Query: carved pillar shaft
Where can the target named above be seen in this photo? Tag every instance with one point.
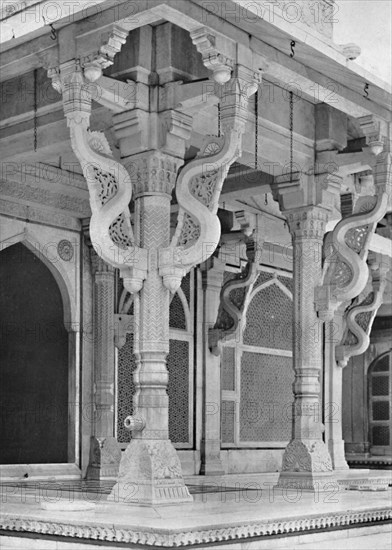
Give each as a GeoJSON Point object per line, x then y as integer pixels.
{"type": "Point", "coordinates": [306, 456]}
{"type": "Point", "coordinates": [333, 393]}
{"type": "Point", "coordinates": [211, 463]}
{"type": "Point", "coordinates": [307, 229]}
{"type": "Point", "coordinates": [152, 327]}
{"type": "Point", "coordinates": [105, 452]}
{"type": "Point", "coordinates": [150, 463]}
{"type": "Point", "coordinates": [103, 349]}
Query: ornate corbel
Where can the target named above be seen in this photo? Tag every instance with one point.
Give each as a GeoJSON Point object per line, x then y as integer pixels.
{"type": "Point", "coordinates": [199, 186]}
{"type": "Point", "coordinates": [360, 316]}
{"type": "Point", "coordinates": [345, 271]}
{"type": "Point", "coordinates": [372, 130]}
{"type": "Point", "coordinates": [123, 325]}
{"type": "Point", "coordinates": [110, 186]}
{"type": "Point", "coordinates": [231, 312]}
{"type": "Point", "coordinates": [110, 44]}
{"type": "Point", "coordinates": [214, 59]}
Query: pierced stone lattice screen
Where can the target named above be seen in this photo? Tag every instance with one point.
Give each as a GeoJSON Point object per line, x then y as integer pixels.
{"type": "Point", "coordinates": [228, 368]}
{"type": "Point", "coordinates": [287, 282]}
{"type": "Point", "coordinates": [177, 314]}
{"type": "Point", "coordinates": [227, 421]}
{"type": "Point", "coordinates": [262, 278]}
{"type": "Point", "coordinates": [178, 390]}
{"type": "Point", "coordinates": [125, 388]}
{"type": "Point", "coordinates": [186, 286]}
{"type": "Point", "coordinates": [178, 367]}
{"type": "Point", "coordinates": [269, 320]}
{"type": "Point", "coordinates": [381, 436]}
{"type": "Point", "coordinates": [266, 397]}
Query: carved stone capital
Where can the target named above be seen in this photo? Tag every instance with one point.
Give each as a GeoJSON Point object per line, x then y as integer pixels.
{"type": "Point", "coordinates": [68, 79]}
{"type": "Point", "coordinates": [153, 172]}
{"type": "Point", "coordinates": [307, 223]}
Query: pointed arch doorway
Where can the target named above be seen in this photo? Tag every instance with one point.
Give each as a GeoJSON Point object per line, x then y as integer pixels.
{"type": "Point", "coordinates": [34, 390]}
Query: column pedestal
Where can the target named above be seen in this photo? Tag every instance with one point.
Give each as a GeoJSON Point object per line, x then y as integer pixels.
{"type": "Point", "coordinates": [150, 474]}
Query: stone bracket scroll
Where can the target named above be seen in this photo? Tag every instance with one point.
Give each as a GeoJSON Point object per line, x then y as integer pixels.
{"type": "Point", "coordinates": [110, 186]}
{"type": "Point", "coordinates": [345, 272]}
{"type": "Point", "coordinates": [359, 319]}
{"type": "Point", "coordinates": [230, 314]}
{"type": "Point", "coordinates": [199, 185]}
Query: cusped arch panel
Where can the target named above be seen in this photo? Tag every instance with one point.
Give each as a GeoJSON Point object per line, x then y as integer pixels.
{"type": "Point", "coordinates": [269, 318]}
{"type": "Point", "coordinates": [59, 273]}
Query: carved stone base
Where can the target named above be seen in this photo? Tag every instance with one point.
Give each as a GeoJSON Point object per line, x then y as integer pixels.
{"type": "Point", "coordinates": [308, 482]}
{"type": "Point", "coordinates": [211, 463]}
{"type": "Point", "coordinates": [150, 474]}
{"type": "Point", "coordinates": [336, 450]}
{"type": "Point", "coordinates": [307, 466]}
{"type": "Point", "coordinates": [105, 456]}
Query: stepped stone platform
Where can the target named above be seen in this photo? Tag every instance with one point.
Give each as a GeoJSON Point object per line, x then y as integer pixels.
{"type": "Point", "coordinates": [243, 511]}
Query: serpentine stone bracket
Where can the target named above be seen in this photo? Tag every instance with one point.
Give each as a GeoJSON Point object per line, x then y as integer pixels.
{"type": "Point", "coordinates": [109, 184]}
{"type": "Point", "coordinates": [231, 309]}
{"type": "Point", "coordinates": [200, 182]}
{"type": "Point", "coordinates": [360, 316]}
{"type": "Point", "coordinates": [198, 185]}
{"type": "Point", "coordinates": [346, 248]}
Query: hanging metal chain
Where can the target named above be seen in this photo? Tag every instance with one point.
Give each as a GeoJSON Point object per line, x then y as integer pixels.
{"type": "Point", "coordinates": [291, 136]}
{"type": "Point", "coordinates": [35, 111]}
{"type": "Point", "coordinates": [257, 130]}
{"type": "Point", "coordinates": [219, 120]}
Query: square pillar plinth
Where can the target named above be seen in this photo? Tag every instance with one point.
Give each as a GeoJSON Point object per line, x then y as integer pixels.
{"type": "Point", "coordinates": [307, 467]}
{"type": "Point", "coordinates": [105, 456]}
{"type": "Point", "coordinates": [150, 475]}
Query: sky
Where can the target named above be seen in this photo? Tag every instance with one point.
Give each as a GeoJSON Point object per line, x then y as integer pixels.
{"type": "Point", "coordinates": [367, 23]}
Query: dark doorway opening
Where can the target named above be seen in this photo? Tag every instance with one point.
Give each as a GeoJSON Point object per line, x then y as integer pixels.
{"type": "Point", "coordinates": [33, 362]}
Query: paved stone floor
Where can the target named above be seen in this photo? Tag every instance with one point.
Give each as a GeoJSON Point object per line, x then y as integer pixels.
{"type": "Point", "coordinates": [235, 512]}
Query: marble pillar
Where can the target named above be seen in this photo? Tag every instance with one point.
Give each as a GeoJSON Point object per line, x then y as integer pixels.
{"type": "Point", "coordinates": [212, 280]}
{"type": "Point", "coordinates": [105, 453]}
{"type": "Point", "coordinates": [306, 462]}
{"type": "Point", "coordinates": [333, 382]}
{"type": "Point", "coordinates": [150, 470]}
